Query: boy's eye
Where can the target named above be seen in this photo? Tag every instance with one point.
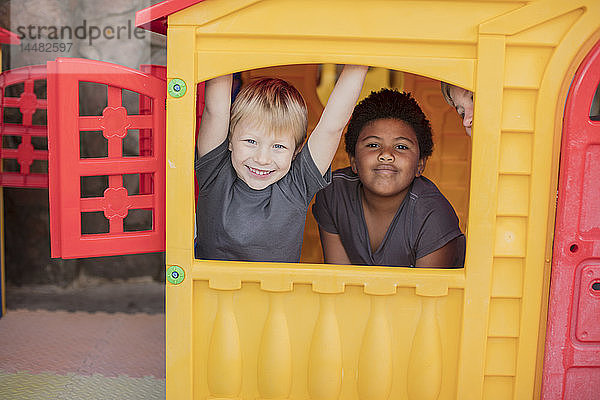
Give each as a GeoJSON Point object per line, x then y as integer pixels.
{"type": "Point", "coordinates": [279, 146]}
{"type": "Point", "coordinates": [250, 141]}
{"type": "Point", "coordinates": [401, 146]}
{"type": "Point", "coordinates": [372, 145]}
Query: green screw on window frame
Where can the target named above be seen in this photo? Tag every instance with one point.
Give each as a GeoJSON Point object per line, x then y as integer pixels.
{"type": "Point", "coordinates": [176, 87]}
{"type": "Point", "coordinates": [175, 274]}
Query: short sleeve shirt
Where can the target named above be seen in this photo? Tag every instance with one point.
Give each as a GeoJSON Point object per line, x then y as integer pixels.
{"type": "Point", "coordinates": [424, 222]}
{"type": "Point", "coordinates": [237, 223]}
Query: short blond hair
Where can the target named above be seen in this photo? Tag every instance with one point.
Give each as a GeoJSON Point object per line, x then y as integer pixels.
{"type": "Point", "coordinates": [273, 104]}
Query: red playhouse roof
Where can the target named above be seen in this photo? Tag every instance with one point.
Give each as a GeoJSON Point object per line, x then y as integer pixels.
{"type": "Point", "coordinates": [154, 18]}
{"type": "Point", "coordinates": [8, 37]}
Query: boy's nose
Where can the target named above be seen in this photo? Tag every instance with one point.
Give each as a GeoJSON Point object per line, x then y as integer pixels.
{"type": "Point", "coordinates": [262, 156]}
{"type": "Point", "coordinates": [468, 121]}
{"type": "Point", "coordinates": [468, 118]}
{"type": "Point", "coordinates": [386, 156]}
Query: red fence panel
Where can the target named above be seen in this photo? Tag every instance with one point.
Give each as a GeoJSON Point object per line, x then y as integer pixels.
{"type": "Point", "coordinates": [105, 220]}
{"type": "Point", "coordinates": [145, 137]}
{"type": "Point", "coordinates": [572, 353]}
{"type": "Point", "coordinates": [23, 128]}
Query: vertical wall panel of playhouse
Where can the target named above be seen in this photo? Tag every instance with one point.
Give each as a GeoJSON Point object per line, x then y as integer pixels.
{"type": "Point", "coordinates": [490, 55]}
{"type": "Point", "coordinates": [180, 206]}
{"type": "Point", "coordinates": [524, 261]}
{"type": "Point", "coordinates": [512, 218]}
{"type": "Point", "coordinates": [510, 242]}
{"type": "Point", "coordinates": [523, 198]}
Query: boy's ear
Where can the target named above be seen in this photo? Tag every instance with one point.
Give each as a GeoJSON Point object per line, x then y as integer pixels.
{"type": "Point", "coordinates": [229, 145]}
{"type": "Point", "coordinates": [353, 164]}
{"type": "Point", "coordinates": [421, 166]}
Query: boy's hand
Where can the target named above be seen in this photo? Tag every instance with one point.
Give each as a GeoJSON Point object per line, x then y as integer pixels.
{"type": "Point", "coordinates": [324, 140]}
{"type": "Point", "coordinates": [214, 126]}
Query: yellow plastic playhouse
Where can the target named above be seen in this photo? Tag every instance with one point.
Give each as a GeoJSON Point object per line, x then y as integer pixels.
{"type": "Point", "coordinates": [278, 331]}
{"type": "Point", "coordinates": [297, 331]}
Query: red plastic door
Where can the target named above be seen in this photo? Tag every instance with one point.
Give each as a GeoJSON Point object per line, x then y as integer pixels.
{"type": "Point", "coordinates": [128, 187]}
{"type": "Point", "coordinates": [23, 130]}
{"type": "Point", "coordinates": [572, 353]}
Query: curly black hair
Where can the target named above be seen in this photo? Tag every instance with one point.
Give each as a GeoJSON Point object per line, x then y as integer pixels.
{"type": "Point", "coordinates": [390, 104]}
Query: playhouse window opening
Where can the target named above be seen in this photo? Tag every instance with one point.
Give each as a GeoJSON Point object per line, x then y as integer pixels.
{"type": "Point", "coordinates": [40, 88]}
{"type": "Point", "coordinates": [11, 165]}
{"type": "Point", "coordinates": [93, 186]}
{"type": "Point", "coordinates": [39, 142]}
{"type": "Point", "coordinates": [449, 165]}
{"type": "Point", "coordinates": [40, 117]}
{"type": "Point", "coordinates": [93, 98]}
{"type": "Point", "coordinates": [145, 143]}
{"type": "Point", "coordinates": [12, 115]}
{"type": "Point", "coordinates": [94, 222]}
{"type": "Point", "coordinates": [133, 184]}
{"type": "Point", "coordinates": [145, 183]}
{"type": "Point", "coordinates": [595, 108]}
{"type": "Point", "coordinates": [138, 220]}
{"type": "Point", "coordinates": [92, 144]}
{"type": "Point", "coordinates": [130, 143]}
{"type": "Point", "coordinates": [36, 166]}
{"type": "Point", "coordinates": [15, 90]}
{"type": "Point", "coordinates": [145, 105]}
{"type": "Point", "coordinates": [39, 167]}
{"type": "Point", "coordinates": [11, 141]}
{"type": "Point", "coordinates": [131, 101]}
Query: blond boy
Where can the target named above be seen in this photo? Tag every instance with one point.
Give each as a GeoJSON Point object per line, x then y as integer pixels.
{"type": "Point", "coordinates": [255, 178]}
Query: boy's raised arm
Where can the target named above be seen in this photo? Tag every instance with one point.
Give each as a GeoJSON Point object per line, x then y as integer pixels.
{"type": "Point", "coordinates": [324, 140]}
{"type": "Point", "coordinates": [214, 126]}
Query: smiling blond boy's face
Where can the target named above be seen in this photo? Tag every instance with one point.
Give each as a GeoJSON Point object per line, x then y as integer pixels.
{"type": "Point", "coordinates": [260, 158]}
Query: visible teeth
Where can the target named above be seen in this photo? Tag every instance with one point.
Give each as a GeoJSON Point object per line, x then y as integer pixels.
{"type": "Point", "coordinates": [259, 171]}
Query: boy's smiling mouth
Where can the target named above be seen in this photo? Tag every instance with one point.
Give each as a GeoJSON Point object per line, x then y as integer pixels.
{"type": "Point", "coordinates": [259, 172]}
{"type": "Point", "coordinates": [386, 168]}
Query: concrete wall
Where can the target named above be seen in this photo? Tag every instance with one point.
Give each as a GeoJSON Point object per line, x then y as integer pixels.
{"type": "Point", "coordinates": [86, 29]}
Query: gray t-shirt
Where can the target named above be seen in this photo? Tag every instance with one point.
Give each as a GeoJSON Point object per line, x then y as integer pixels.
{"type": "Point", "coordinates": [237, 223]}
{"type": "Point", "coordinates": [424, 222]}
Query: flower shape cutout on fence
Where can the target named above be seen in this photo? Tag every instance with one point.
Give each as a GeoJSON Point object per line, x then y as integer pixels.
{"type": "Point", "coordinates": [28, 103]}
{"type": "Point", "coordinates": [114, 122]}
{"type": "Point", "coordinates": [116, 203]}
{"type": "Point", "coordinates": [25, 155]}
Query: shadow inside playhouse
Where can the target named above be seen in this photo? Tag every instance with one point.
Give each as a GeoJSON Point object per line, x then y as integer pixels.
{"type": "Point", "coordinates": [448, 167]}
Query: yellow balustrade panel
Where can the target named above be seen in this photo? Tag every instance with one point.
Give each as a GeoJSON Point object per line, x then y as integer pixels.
{"type": "Point", "coordinates": [325, 332]}
{"type": "Point", "coordinates": [298, 331]}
